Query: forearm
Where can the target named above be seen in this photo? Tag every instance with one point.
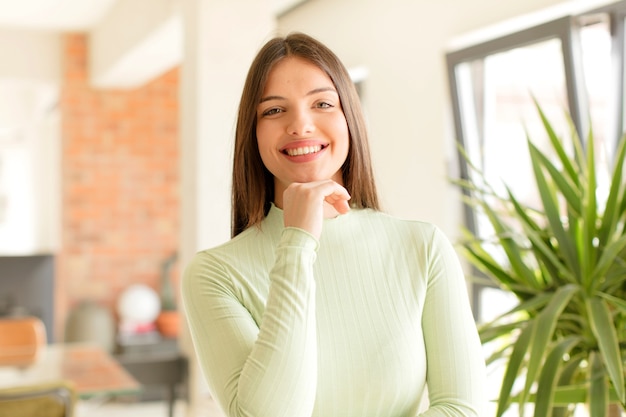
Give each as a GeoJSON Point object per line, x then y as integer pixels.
{"type": "Point", "coordinates": [456, 367]}
{"type": "Point", "coordinates": [258, 367]}
{"type": "Point", "coordinates": [280, 375]}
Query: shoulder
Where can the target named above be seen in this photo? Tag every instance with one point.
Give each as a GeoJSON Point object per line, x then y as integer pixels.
{"type": "Point", "coordinates": [412, 235]}
{"type": "Point", "coordinates": [222, 270]}
{"type": "Point", "coordinates": [366, 229]}
{"type": "Point", "coordinates": [247, 245]}
{"type": "Point", "coordinates": [421, 239]}
{"type": "Point", "coordinates": [397, 226]}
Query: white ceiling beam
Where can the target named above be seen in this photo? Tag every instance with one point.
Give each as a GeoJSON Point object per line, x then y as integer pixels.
{"type": "Point", "coordinates": [134, 43]}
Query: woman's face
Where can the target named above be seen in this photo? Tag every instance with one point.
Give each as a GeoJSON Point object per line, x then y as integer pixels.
{"type": "Point", "coordinates": [301, 129]}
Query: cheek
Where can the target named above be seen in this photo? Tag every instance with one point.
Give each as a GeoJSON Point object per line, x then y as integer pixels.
{"type": "Point", "coordinates": [264, 143]}
{"type": "Point", "coordinates": [341, 134]}
{"type": "Point", "coordinates": [261, 136]}
{"type": "Point", "coordinates": [260, 133]}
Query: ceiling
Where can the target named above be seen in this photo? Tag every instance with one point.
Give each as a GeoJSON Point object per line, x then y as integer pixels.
{"type": "Point", "coordinates": [63, 15]}
{"type": "Point", "coordinates": [25, 103]}
{"type": "Point", "coordinates": [73, 15]}
{"type": "Point", "coordinates": [30, 100]}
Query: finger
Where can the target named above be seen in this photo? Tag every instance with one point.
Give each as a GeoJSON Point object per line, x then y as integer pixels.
{"type": "Point", "coordinates": [339, 200]}
{"type": "Point", "coordinates": [341, 206]}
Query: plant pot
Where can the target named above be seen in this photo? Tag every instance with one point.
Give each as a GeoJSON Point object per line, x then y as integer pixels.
{"type": "Point", "coordinates": [168, 323]}
{"type": "Point", "coordinates": [614, 411]}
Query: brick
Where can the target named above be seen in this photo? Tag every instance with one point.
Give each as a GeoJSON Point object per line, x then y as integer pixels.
{"type": "Point", "coordinates": [120, 184]}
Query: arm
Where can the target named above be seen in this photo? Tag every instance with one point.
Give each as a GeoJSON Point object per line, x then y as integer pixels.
{"type": "Point", "coordinates": [264, 370]}
{"type": "Point", "coordinates": [456, 367]}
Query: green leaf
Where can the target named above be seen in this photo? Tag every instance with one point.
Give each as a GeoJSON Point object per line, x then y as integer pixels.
{"type": "Point", "coordinates": [549, 375]}
{"type": "Point", "coordinates": [528, 306]}
{"type": "Point", "coordinates": [551, 207]}
{"type": "Point", "coordinates": [538, 238]}
{"type": "Point", "coordinates": [565, 260]}
{"type": "Point", "coordinates": [485, 262]}
{"type": "Point", "coordinates": [565, 186]}
{"type": "Point", "coordinates": [607, 260]}
{"type": "Point", "coordinates": [617, 302]}
{"type": "Point", "coordinates": [611, 211]}
{"type": "Point", "coordinates": [520, 347]}
{"type": "Point", "coordinates": [543, 330]}
{"type": "Point", "coordinates": [557, 144]}
{"type": "Point", "coordinates": [622, 209]}
{"type": "Point", "coordinates": [511, 248]}
{"type": "Point", "coordinates": [522, 211]}
{"type": "Point", "coordinates": [577, 394]}
{"type": "Point", "coordinates": [604, 330]}
{"type": "Point", "coordinates": [598, 390]}
{"type": "Point", "coordinates": [572, 394]}
{"type": "Point", "coordinates": [550, 256]}
{"type": "Point", "coordinates": [502, 353]}
{"type": "Point", "coordinates": [570, 370]}
{"type": "Point", "coordinates": [489, 333]}
{"type": "Point", "coordinates": [587, 251]}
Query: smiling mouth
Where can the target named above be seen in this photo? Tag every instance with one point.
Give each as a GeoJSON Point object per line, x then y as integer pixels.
{"type": "Point", "coordinates": [305, 150]}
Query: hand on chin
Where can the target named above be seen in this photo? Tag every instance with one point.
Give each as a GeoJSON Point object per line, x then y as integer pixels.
{"type": "Point", "coordinates": [306, 205]}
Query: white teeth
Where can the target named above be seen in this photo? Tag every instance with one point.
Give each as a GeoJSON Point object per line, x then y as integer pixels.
{"type": "Point", "coordinates": [304, 150]}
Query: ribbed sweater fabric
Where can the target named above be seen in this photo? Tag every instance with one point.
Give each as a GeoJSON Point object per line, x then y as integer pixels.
{"type": "Point", "coordinates": [353, 325]}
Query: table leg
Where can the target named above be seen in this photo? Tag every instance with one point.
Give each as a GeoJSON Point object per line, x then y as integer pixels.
{"type": "Point", "coordinates": [171, 400]}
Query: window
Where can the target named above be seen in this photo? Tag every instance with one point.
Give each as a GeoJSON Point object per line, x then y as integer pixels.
{"type": "Point", "coordinates": [574, 63]}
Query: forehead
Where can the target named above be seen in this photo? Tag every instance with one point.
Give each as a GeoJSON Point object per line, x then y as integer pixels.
{"type": "Point", "coordinates": [292, 72]}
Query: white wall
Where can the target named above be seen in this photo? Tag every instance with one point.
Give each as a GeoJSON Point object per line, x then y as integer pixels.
{"type": "Point", "coordinates": [403, 43]}
{"type": "Point", "coordinates": [30, 55]}
{"type": "Point", "coordinates": [30, 68]}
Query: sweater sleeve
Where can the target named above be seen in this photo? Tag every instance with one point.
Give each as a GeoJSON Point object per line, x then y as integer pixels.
{"type": "Point", "coordinates": [265, 369]}
{"type": "Point", "coordinates": [456, 367]}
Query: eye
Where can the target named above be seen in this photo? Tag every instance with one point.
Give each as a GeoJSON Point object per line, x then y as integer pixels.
{"type": "Point", "coordinates": [323, 105]}
{"type": "Point", "coordinates": [272, 111]}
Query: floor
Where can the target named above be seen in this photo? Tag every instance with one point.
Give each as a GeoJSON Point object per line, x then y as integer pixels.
{"type": "Point", "coordinates": [207, 409]}
{"type": "Point", "coordinates": [145, 409]}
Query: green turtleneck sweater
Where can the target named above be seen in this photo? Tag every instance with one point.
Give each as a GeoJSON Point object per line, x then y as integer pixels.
{"type": "Point", "coordinates": [353, 325]}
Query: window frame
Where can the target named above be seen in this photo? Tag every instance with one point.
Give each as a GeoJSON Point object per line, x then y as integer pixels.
{"type": "Point", "coordinates": [566, 29]}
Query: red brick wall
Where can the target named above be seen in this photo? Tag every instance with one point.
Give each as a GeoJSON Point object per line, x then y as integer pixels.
{"type": "Point", "coordinates": [120, 184]}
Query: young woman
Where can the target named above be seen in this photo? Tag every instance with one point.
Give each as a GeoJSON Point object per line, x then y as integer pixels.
{"type": "Point", "coordinates": [320, 304]}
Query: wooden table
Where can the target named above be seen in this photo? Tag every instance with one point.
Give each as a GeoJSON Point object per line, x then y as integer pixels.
{"type": "Point", "coordinates": [92, 370]}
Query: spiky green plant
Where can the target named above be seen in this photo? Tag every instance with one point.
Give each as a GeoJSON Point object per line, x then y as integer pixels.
{"type": "Point", "coordinates": [564, 342]}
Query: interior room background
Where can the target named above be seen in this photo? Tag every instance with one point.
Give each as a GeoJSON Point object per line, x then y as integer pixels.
{"type": "Point", "coordinates": [127, 125]}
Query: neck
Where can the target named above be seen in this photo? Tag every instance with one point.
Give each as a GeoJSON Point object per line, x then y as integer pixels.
{"type": "Point", "coordinates": [329, 211]}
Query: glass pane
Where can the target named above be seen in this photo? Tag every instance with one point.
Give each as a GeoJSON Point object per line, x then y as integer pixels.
{"type": "Point", "coordinates": [596, 53]}
{"type": "Point", "coordinates": [498, 114]}
{"type": "Point", "coordinates": [498, 111]}
{"type": "Point", "coordinates": [510, 82]}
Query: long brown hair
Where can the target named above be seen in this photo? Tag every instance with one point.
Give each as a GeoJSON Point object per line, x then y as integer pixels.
{"type": "Point", "coordinates": [253, 184]}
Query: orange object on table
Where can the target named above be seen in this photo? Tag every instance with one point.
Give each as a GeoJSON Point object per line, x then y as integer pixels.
{"type": "Point", "coordinates": [21, 340]}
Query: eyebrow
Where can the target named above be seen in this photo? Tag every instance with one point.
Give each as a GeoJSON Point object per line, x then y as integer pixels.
{"type": "Point", "coordinates": [310, 93]}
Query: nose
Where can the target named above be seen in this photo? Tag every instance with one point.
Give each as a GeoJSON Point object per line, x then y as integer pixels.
{"type": "Point", "coordinates": [300, 123]}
